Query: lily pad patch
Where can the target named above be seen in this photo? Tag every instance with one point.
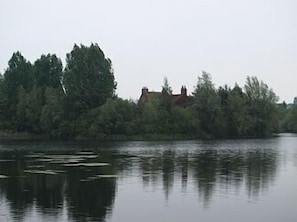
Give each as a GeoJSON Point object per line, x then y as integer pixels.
{"type": "Point", "coordinates": [36, 166]}
{"type": "Point", "coordinates": [86, 164]}
{"type": "Point", "coordinates": [92, 178]}
{"type": "Point", "coordinates": [47, 172]}
{"type": "Point", "coordinates": [85, 153]}
{"type": "Point", "coordinates": [108, 176]}
{"type": "Point", "coordinates": [3, 177]}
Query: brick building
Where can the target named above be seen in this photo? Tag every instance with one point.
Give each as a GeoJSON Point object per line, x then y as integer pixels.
{"type": "Point", "coordinates": [181, 99]}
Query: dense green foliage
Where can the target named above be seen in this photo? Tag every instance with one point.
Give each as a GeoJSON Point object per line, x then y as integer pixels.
{"type": "Point", "coordinates": [88, 79]}
{"type": "Point", "coordinates": [80, 102]}
{"type": "Point", "coordinates": [289, 121]}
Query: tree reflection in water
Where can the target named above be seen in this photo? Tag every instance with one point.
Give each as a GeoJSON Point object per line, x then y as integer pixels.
{"type": "Point", "coordinates": [211, 169]}
{"type": "Point", "coordinates": [84, 200]}
{"type": "Point", "coordinates": [206, 168]}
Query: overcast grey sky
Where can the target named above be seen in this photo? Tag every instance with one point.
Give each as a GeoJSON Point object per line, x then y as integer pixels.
{"type": "Point", "coordinates": [149, 39]}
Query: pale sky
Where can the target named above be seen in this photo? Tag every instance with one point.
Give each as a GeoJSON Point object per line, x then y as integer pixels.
{"type": "Point", "coordinates": [150, 39]}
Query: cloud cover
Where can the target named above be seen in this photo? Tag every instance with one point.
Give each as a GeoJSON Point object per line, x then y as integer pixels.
{"type": "Point", "coordinates": [147, 40]}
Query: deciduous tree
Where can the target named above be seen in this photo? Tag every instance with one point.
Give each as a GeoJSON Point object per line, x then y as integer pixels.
{"type": "Point", "coordinates": [207, 107]}
{"type": "Point", "coordinates": [88, 79]}
{"type": "Point", "coordinates": [262, 110]}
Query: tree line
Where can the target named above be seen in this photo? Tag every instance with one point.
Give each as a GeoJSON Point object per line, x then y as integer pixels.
{"type": "Point", "coordinates": [80, 101]}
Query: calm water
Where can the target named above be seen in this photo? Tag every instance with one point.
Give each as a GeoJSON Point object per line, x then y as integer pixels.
{"type": "Point", "coordinates": [222, 180]}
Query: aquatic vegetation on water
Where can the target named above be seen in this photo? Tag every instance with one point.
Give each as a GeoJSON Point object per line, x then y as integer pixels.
{"type": "Point", "coordinates": [86, 164]}
{"type": "Point", "coordinates": [96, 177]}
{"type": "Point", "coordinates": [69, 156]}
{"type": "Point", "coordinates": [85, 153]}
{"type": "Point", "coordinates": [49, 172]}
{"type": "Point", "coordinates": [107, 176]}
{"type": "Point", "coordinates": [35, 166]}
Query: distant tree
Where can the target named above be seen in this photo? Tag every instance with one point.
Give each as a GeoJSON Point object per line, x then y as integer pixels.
{"type": "Point", "coordinates": [116, 116]}
{"type": "Point", "coordinates": [166, 87]}
{"type": "Point", "coordinates": [237, 116]}
{"type": "Point", "coordinates": [17, 76]}
{"type": "Point", "coordinates": [88, 79]}
{"type": "Point", "coordinates": [52, 112]}
{"type": "Point", "coordinates": [292, 123]}
{"type": "Point", "coordinates": [166, 99]}
{"type": "Point", "coordinates": [224, 94]}
{"type": "Point", "coordinates": [283, 116]}
{"type": "Point", "coordinates": [3, 105]}
{"type": "Point", "coordinates": [259, 91]}
{"type": "Point", "coordinates": [183, 121]}
{"type": "Point", "coordinates": [262, 110]}
{"type": "Point", "coordinates": [47, 81]}
{"type": "Point", "coordinates": [150, 117]}
{"type": "Point", "coordinates": [207, 107]}
{"type": "Point", "coordinates": [28, 110]}
{"type": "Point", "coordinates": [18, 73]}
{"type": "Point", "coordinates": [48, 71]}
{"type": "Point", "coordinates": [288, 118]}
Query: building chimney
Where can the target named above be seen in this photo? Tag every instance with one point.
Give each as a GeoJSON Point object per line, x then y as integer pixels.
{"type": "Point", "coordinates": [144, 91]}
{"type": "Point", "coordinates": [183, 91]}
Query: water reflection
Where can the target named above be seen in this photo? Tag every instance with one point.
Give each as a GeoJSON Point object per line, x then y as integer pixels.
{"type": "Point", "coordinates": [84, 200]}
{"type": "Point", "coordinates": [89, 200]}
{"type": "Point", "coordinates": [211, 169]}
{"type": "Point", "coordinates": [208, 167]}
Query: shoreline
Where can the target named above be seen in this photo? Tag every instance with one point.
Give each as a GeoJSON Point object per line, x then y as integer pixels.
{"type": "Point", "coordinates": [119, 137]}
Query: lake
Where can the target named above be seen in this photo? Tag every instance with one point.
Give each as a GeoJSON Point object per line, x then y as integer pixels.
{"type": "Point", "coordinates": [168, 181]}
